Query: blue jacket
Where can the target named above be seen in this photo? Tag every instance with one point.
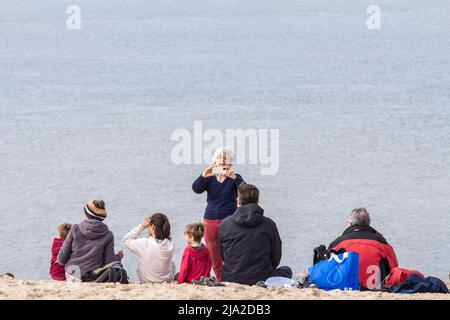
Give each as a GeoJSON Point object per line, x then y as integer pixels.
{"type": "Point", "coordinates": [416, 284]}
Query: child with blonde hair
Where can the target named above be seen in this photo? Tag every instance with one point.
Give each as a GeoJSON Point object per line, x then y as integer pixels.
{"type": "Point", "coordinates": [57, 271]}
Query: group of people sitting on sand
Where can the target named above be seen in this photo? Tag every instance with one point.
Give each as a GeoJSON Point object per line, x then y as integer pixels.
{"type": "Point", "coordinates": [241, 244]}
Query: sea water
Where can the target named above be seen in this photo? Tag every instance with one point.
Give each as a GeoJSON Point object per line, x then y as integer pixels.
{"type": "Point", "coordinates": [363, 118]}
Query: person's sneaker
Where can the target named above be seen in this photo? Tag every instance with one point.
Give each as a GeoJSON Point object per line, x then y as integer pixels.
{"type": "Point", "coordinates": [200, 282]}
{"type": "Point", "coordinates": [209, 282]}
{"type": "Point", "coordinates": [213, 282]}
{"type": "Point", "coordinates": [302, 280]}
{"type": "Point", "coordinates": [261, 284]}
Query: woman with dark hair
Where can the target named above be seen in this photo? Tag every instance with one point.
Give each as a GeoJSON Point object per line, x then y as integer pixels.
{"type": "Point", "coordinates": [154, 254]}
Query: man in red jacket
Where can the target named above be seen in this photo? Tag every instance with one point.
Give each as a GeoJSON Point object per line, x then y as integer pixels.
{"type": "Point", "coordinates": [376, 257]}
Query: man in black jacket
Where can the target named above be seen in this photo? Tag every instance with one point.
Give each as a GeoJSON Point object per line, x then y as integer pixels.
{"type": "Point", "coordinates": [250, 243]}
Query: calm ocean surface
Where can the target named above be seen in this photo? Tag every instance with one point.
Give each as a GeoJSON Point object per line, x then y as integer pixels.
{"type": "Point", "coordinates": [364, 118]}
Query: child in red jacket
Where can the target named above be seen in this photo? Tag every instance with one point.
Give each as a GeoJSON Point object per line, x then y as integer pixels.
{"type": "Point", "coordinates": [196, 260]}
{"type": "Point", "coordinates": [57, 271]}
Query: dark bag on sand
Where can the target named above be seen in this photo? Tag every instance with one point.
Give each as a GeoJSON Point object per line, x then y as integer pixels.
{"type": "Point", "coordinates": [322, 253]}
{"type": "Point", "coordinates": [416, 284]}
{"type": "Point", "coordinates": [113, 272]}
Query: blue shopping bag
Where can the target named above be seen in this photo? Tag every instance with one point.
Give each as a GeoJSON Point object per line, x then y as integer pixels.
{"type": "Point", "coordinates": [339, 272]}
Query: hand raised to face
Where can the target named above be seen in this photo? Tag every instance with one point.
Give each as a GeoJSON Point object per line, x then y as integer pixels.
{"type": "Point", "coordinates": [230, 173]}
{"type": "Point", "coordinates": [208, 172]}
{"type": "Point", "coordinates": [145, 223]}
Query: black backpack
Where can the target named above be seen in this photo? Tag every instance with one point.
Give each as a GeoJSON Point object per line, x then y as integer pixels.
{"type": "Point", "coordinates": [113, 272]}
{"type": "Point", "coordinates": [322, 253]}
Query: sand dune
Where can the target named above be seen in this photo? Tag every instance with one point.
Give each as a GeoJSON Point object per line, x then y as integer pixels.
{"type": "Point", "coordinates": [44, 289]}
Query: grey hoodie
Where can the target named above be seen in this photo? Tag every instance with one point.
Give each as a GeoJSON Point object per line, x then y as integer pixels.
{"type": "Point", "coordinates": [89, 245]}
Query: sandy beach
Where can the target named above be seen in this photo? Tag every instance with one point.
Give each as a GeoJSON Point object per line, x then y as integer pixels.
{"type": "Point", "coordinates": [15, 289]}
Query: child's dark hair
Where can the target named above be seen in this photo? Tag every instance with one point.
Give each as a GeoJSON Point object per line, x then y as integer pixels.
{"type": "Point", "coordinates": [195, 231]}
{"type": "Point", "coordinates": [162, 226]}
{"type": "Point", "coordinates": [64, 229]}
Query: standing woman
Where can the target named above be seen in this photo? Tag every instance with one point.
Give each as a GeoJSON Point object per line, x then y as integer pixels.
{"type": "Point", "coordinates": [221, 183]}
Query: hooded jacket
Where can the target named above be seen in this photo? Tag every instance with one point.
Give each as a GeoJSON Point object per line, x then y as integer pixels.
{"type": "Point", "coordinates": [88, 246]}
{"type": "Point", "coordinates": [154, 257]}
{"type": "Point", "coordinates": [250, 245]}
{"type": "Point", "coordinates": [57, 271]}
{"type": "Point", "coordinates": [195, 263]}
{"type": "Point", "coordinates": [376, 257]}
